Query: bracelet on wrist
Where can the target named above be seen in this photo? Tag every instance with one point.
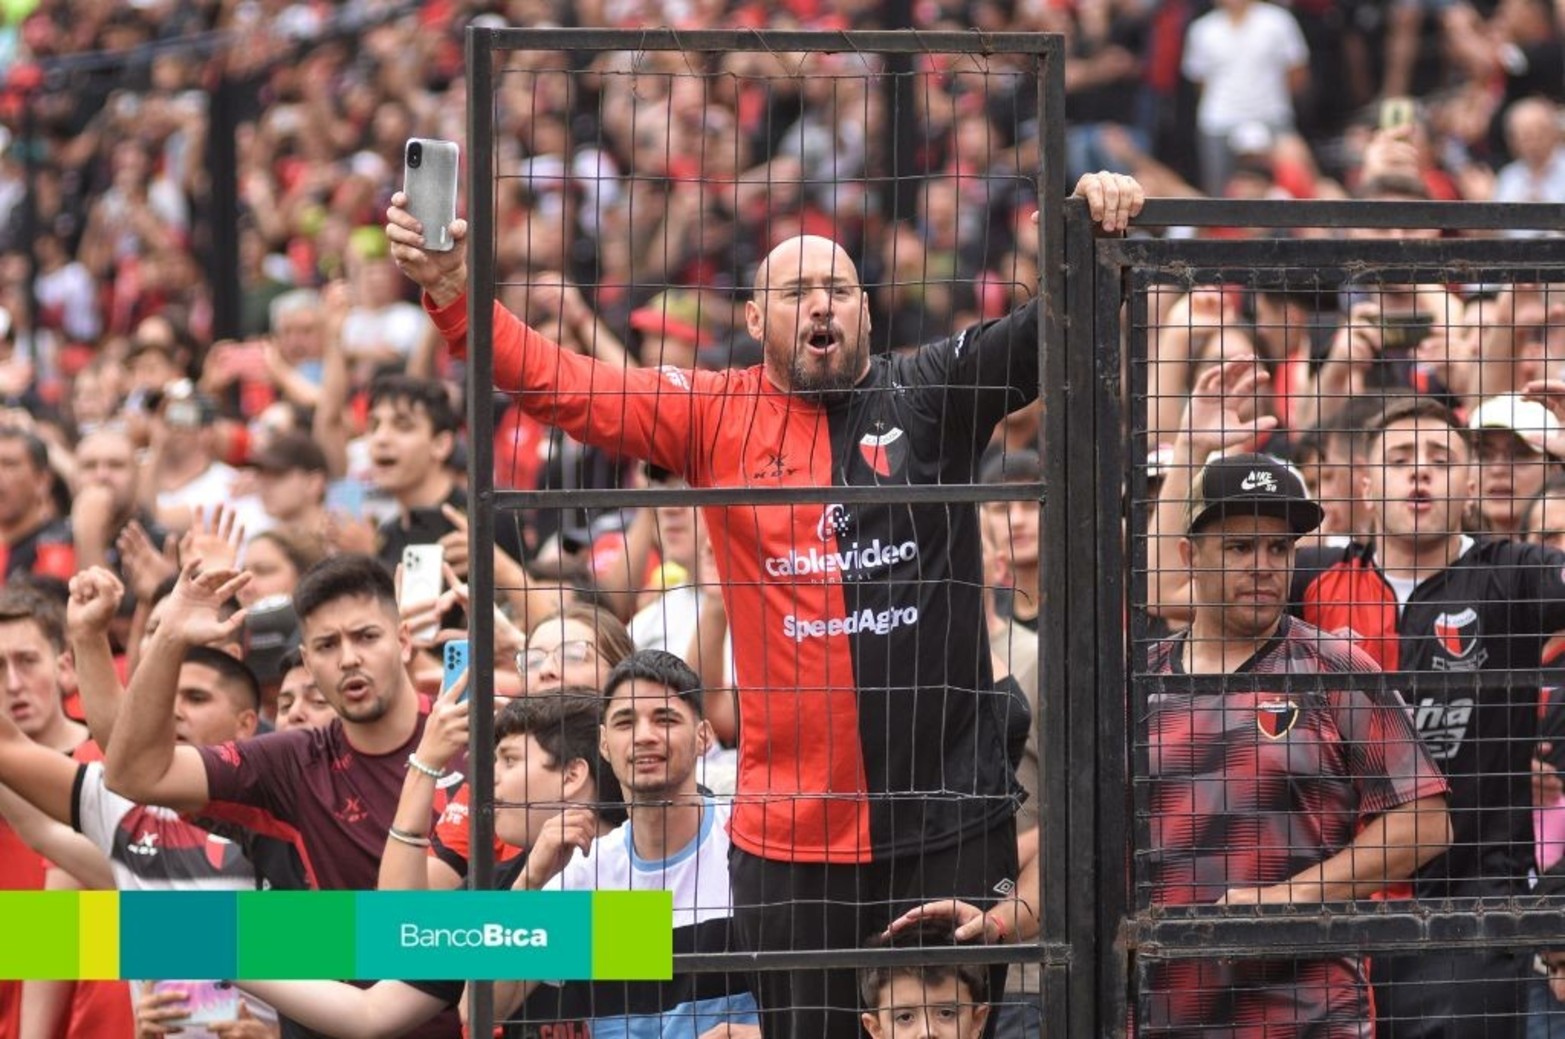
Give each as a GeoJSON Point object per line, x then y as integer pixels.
{"type": "Point", "coordinates": [411, 839]}
{"type": "Point", "coordinates": [999, 925]}
{"type": "Point", "coordinates": [418, 766]}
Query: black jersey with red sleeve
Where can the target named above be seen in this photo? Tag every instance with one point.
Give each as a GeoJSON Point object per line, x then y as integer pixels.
{"type": "Point", "coordinates": [860, 652]}
{"type": "Point", "coordinates": [45, 551]}
{"type": "Point", "coordinates": [1249, 788]}
{"type": "Point", "coordinates": [1492, 609]}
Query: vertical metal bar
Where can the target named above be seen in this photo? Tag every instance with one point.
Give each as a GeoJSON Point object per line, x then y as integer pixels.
{"type": "Point", "coordinates": [1080, 533]}
{"type": "Point", "coordinates": [1137, 446]}
{"type": "Point", "coordinates": [481, 521]}
{"type": "Point", "coordinates": [1054, 746]}
{"type": "Point", "coordinates": [899, 191]}
{"type": "Point", "coordinates": [1112, 775]}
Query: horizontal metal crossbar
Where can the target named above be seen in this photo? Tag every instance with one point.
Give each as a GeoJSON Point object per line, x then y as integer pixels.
{"type": "Point", "coordinates": [1528, 679]}
{"type": "Point", "coordinates": [899, 494]}
{"type": "Point", "coordinates": [1296, 264]}
{"type": "Point", "coordinates": [769, 40]}
{"type": "Point", "coordinates": [1209, 212]}
{"type": "Point", "coordinates": [1050, 954]}
{"type": "Point", "coordinates": [1249, 932]}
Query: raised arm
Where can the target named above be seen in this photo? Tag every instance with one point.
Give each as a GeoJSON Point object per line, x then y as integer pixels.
{"type": "Point", "coordinates": [405, 864]}
{"type": "Point", "coordinates": [644, 413]}
{"type": "Point", "coordinates": [95, 600]}
{"type": "Point", "coordinates": [1220, 417]}
{"type": "Point", "coordinates": [144, 764]}
{"type": "Point", "coordinates": [330, 426]}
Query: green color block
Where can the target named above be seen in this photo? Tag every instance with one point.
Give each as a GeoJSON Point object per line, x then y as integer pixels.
{"type": "Point", "coordinates": [296, 935]}
{"type": "Point", "coordinates": [632, 935]}
{"type": "Point", "coordinates": [47, 926]}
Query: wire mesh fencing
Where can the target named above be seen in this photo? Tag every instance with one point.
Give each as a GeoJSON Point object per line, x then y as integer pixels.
{"type": "Point", "coordinates": [761, 316]}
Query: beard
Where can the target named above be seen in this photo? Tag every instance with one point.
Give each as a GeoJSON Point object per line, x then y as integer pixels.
{"type": "Point", "coordinates": [814, 378]}
{"type": "Point", "coordinates": [363, 712]}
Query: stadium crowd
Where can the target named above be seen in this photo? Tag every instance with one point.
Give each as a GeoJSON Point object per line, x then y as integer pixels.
{"type": "Point", "coordinates": [202, 529]}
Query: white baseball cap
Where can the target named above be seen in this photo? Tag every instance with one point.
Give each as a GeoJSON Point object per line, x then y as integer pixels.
{"type": "Point", "coordinates": [1528, 419]}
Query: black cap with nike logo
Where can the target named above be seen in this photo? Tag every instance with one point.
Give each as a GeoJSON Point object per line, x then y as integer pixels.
{"type": "Point", "coordinates": [1254, 485]}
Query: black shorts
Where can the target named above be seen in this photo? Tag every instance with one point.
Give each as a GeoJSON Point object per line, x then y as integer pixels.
{"type": "Point", "coordinates": [804, 905]}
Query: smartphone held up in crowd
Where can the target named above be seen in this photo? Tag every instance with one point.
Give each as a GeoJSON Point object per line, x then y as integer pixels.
{"type": "Point", "coordinates": [430, 170]}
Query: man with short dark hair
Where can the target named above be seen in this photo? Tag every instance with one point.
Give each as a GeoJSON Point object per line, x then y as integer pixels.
{"type": "Point", "coordinates": [331, 792]}
{"type": "Point", "coordinates": [547, 751]}
{"type": "Point", "coordinates": [1295, 796]}
{"type": "Point", "coordinates": [148, 848]}
{"type": "Point", "coordinates": [335, 789]}
{"type": "Point", "coordinates": [412, 432]}
{"type": "Point", "coordinates": [1424, 596]}
{"type": "Point", "coordinates": [291, 477]}
{"type": "Point", "coordinates": [654, 732]}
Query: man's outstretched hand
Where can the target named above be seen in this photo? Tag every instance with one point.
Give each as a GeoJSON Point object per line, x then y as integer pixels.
{"type": "Point", "coordinates": [442, 275]}
{"type": "Point", "coordinates": [193, 615]}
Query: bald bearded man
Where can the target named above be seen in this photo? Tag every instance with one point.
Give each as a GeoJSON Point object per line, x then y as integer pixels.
{"type": "Point", "coordinates": [873, 765]}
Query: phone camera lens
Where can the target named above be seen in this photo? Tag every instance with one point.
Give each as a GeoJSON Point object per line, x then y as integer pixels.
{"type": "Point", "coordinates": [415, 154]}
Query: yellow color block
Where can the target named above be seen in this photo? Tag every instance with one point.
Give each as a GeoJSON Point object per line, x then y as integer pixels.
{"type": "Point", "coordinates": [99, 932]}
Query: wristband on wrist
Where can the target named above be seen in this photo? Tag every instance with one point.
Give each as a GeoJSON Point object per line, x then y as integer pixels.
{"type": "Point", "coordinates": [419, 766]}
{"type": "Point", "coordinates": [999, 924]}
{"type": "Point", "coordinates": [405, 837]}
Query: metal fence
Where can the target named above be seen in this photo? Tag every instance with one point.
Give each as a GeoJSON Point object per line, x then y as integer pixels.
{"type": "Point", "coordinates": [1472, 902]}
{"type": "Point", "coordinates": [508, 72]}
{"type": "Point", "coordinates": [1105, 930]}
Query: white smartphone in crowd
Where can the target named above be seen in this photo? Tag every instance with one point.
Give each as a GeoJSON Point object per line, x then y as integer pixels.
{"type": "Point", "coordinates": [429, 179]}
{"type": "Point", "coordinates": [422, 580]}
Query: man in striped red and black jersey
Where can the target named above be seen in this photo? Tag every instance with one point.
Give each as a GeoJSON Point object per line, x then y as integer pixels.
{"type": "Point", "coordinates": [1426, 597]}
{"type": "Point", "coordinates": [1286, 796]}
{"type": "Point", "coordinates": [872, 747]}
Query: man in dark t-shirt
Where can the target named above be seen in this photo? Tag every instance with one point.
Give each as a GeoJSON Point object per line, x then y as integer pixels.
{"type": "Point", "coordinates": [331, 792]}
{"type": "Point", "coordinates": [1260, 797]}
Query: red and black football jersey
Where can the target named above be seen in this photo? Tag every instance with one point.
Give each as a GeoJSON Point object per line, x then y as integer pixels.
{"type": "Point", "coordinates": [1492, 609]}
{"type": "Point", "coordinates": [1247, 789]}
{"type": "Point", "coordinates": [860, 653]}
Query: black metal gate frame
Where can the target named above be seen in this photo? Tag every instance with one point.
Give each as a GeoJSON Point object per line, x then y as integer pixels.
{"type": "Point", "coordinates": [1065, 939]}
{"type": "Point", "coordinates": [1096, 452]}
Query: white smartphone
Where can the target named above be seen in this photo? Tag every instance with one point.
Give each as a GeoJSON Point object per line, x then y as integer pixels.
{"type": "Point", "coordinates": [429, 179]}
{"type": "Point", "coordinates": [422, 580]}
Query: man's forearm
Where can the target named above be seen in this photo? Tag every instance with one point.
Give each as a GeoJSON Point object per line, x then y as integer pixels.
{"type": "Point", "coordinates": [335, 1008]}
{"type": "Point", "coordinates": [99, 684]}
{"type": "Point", "coordinates": [1388, 851]}
{"type": "Point", "coordinates": [53, 839]}
{"type": "Point", "coordinates": [403, 866]}
{"type": "Point", "coordinates": [143, 748]}
{"type": "Point", "coordinates": [1168, 582]}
